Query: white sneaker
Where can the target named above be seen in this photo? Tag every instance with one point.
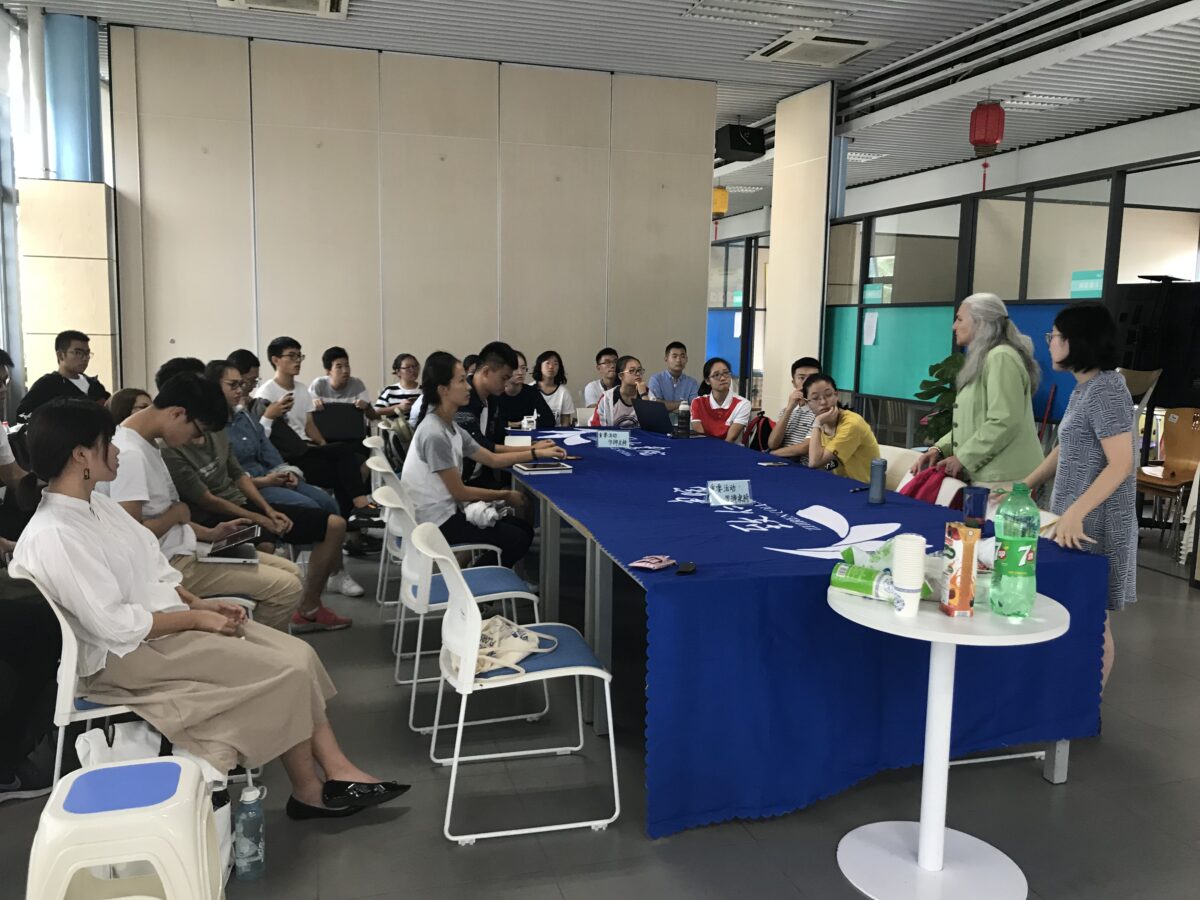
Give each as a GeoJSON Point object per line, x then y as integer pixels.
{"type": "Point", "coordinates": [343, 584]}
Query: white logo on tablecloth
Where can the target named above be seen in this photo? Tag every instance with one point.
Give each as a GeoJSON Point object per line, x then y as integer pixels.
{"type": "Point", "coordinates": [577, 437]}
{"type": "Point", "coordinates": [866, 537]}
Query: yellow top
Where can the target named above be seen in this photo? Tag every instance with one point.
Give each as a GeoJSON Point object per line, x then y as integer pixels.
{"type": "Point", "coordinates": [854, 445]}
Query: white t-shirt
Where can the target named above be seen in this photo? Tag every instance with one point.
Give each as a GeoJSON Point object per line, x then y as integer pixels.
{"type": "Point", "coordinates": [302, 403]}
{"type": "Point", "coordinates": [81, 382]}
{"type": "Point", "coordinates": [591, 393]}
{"type": "Point", "coordinates": [142, 476]}
{"type": "Point", "coordinates": [435, 448]}
{"type": "Point", "coordinates": [6, 454]}
{"type": "Point", "coordinates": [322, 389]}
{"type": "Point", "coordinates": [561, 403]}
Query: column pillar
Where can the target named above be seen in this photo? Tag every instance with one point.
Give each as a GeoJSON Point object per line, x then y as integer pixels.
{"type": "Point", "coordinates": [73, 96]}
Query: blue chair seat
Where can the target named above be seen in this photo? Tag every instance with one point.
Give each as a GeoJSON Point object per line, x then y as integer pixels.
{"type": "Point", "coordinates": [82, 705]}
{"type": "Point", "coordinates": [572, 650]}
{"type": "Point", "coordinates": [135, 786]}
{"type": "Point", "coordinates": [483, 581]}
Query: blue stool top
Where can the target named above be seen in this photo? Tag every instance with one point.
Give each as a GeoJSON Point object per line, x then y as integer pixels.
{"type": "Point", "coordinates": [135, 786]}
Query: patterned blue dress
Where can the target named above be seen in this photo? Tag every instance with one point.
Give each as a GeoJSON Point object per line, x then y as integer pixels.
{"type": "Point", "coordinates": [1098, 409]}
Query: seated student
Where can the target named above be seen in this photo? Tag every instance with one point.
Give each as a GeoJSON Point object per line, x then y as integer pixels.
{"type": "Point", "coordinates": [841, 440]}
{"type": "Point", "coordinates": [519, 400]}
{"type": "Point", "coordinates": [671, 385]}
{"type": "Point", "coordinates": [275, 479]}
{"type": "Point", "coordinates": [481, 413]}
{"type": "Point", "coordinates": [337, 385]}
{"type": "Point", "coordinates": [432, 468]}
{"type": "Point", "coordinates": [789, 437]}
{"type": "Point", "coordinates": [148, 642]}
{"type": "Point", "coordinates": [606, 365]}
{"type": "Point", "coordinates": [211, 482]}
{"type": "Point", "coordinates": [470, 363]}
{"type": "Point", "coordinates": [73, 350]}
{"type": "Point", "coordinates": [550, 377]}
{"type": "Point", "coordinates": [397, 399]}
{"type": "Point", "coordinates": [126, 402]}
{"type": "Point", "coordinates": [287, 401]}
{"type": "Point", "coordinates": [616, 405]}
{"type": "Point", "coordinates": [721, 412]}
{"type": "Point", "coordinates": [181, 412]}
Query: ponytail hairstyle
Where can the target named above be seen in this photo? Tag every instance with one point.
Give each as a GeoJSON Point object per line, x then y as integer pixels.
{"type": "Point", "coordinates": [437, 372]}
{"type": "Point", "coordinates": [993, 327]}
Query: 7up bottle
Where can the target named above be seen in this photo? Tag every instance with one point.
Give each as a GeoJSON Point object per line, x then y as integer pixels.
{"type": "Point", "coordinates": [1014, 584]}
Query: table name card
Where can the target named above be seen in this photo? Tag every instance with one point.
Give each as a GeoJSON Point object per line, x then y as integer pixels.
{"type": "Point", "coordinates": [729, 493]}
{"type": "Point", "coordinates": [612, 440]}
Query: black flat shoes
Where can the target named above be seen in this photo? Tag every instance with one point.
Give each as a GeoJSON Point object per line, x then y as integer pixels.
{"type": "Point", "coordinates": [297, 810]}
{"type": "Point", "coordinates": [355, 795]}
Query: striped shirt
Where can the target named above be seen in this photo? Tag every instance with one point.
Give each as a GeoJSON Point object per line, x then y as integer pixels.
{"type": "Point", "coordinates": [394, 393]}
{"type": "Point", "coordinates": [799, 425]}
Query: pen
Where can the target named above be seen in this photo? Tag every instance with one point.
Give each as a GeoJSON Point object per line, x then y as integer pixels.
{"type": "Point", "coordinates": [860, 489]}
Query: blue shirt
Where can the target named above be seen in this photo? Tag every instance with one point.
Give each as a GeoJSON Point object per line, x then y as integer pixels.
{"type": "Point", "coordinates": [253, 449]}
{"type": "Point", "coordinates": [664, 387]}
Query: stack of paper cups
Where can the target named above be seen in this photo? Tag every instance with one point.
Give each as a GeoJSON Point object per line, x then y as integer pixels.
{"type": "Point", "coordinates": [908, 572]}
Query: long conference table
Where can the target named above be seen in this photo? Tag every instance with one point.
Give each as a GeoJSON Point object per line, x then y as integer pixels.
{"type": "Point", "coordinates": [761, 700]}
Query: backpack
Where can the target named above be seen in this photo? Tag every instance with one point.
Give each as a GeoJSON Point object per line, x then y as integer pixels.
{"type": "Point", "coordinates": [758, 432]}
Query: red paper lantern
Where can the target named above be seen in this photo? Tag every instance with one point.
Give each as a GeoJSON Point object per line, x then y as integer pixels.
{"type": "Point", "coordinates": [987, 128]}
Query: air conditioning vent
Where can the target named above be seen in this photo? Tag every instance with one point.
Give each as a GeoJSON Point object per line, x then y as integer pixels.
{"type": "Point", "coordinates": [826, 51]}
{"type": "Point", "coordinates": [321, 9]}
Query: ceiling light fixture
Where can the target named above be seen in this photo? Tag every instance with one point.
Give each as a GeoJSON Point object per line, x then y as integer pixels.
{"type": "Point", "coordinates": [743, 188]}
{"type": "Point", "coordinates": [766, 14]}
{"type": "Point", "coordinates": [1041, 101]}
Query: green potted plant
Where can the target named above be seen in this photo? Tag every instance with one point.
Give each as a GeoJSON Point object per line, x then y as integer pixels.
{"type": "Point", "coordinates": [940, 388]}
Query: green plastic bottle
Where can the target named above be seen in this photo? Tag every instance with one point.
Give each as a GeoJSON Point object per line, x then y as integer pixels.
{"type": "Point", "coordinates": [1014, 579]}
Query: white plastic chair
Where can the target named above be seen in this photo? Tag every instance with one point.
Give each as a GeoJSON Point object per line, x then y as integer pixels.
{"type": "Point", "coordinates": [899, 461]}
{"type": "Point", "coordinates": [461, 627]}
{"type": "Point", "coordinates": [383, 475]}
{"type": "Point", "coordinates": [156, 811]}
{"type": "Point", "coordinates": [424, 593]}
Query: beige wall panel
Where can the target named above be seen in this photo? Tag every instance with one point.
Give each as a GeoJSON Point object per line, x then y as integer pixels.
{"type": "Point", "coordinates": [999, 231]}
{"type": "Point", "coordinates": [1066, 238]}
{"type": "Point", "coordinates": [432, 95]}
{"type": "Point", "coordinates": [40, 357]}
{"type": "Point", "coordinates": [796, 277]}
{"type": "Point", "coordinates": [316, 199]}
{"type": "Point", "coordinates": [554, 221]}
{"type": "Point", "coordinates": [1159, 242]}
{"type": "Point", "coordinates": [65, 289]}
{"type": "Point", "coordinates": [197, 237]}
{"type": "Point", "coordinates": [127, 196]}
{"type": "Point", "coordinates": [562, 107]}
{"type": "Point", "coordinates": [314, 87]}
{"type": "Point", "coordinates": [658, 256]}
{"type": "Point", "coordinates": [188, 74]}
{"type": "Point", "coordinates": [663, 115]}
{"type": "Point", "coordinates": [63, 218]}
{"type": "Point", "coordinates": [440, 248]}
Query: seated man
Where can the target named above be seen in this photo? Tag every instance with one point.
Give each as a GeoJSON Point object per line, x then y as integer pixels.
{"type": "Point", "coordinates": [789, 437]}
{"type": "Point", "coordinates": [519, 400]}
{"type": "Point", "coordinates": [183, 410]}
{"type": "Point", "coordinates": [672, 386]}
{"type": "Point", "coordinates": [286, 402]}
{"type": "Point", "coordinates": [606, 366]}
{"type": "Point", "coordinates": [209, 479]}
{"type": "Point", "coordinates": [337, 385]}
{"type": "Point", "coordinates": [73, 350]}
{"type": "Point", "coordinates": [616, 406]}
{"type": "Point", "coordinates": [841, 440]}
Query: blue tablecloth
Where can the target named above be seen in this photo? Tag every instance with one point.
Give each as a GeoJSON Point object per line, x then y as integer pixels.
{"type": "Point", "coordinates": [761, 699]}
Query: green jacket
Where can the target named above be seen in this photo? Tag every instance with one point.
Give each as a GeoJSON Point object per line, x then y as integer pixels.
{"type": "Point", "coordinates": [994, 436]}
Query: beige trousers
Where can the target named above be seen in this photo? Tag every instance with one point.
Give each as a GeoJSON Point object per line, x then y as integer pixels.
{"type": "Point", "coordinates": [274, 584]}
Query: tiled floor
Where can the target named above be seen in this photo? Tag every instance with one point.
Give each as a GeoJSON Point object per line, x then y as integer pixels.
{"type": "Point", "coordinates": [1126, 825]}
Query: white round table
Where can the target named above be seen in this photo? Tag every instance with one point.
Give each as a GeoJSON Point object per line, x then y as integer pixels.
{"type": "Point", "coordinates": [926, 860]}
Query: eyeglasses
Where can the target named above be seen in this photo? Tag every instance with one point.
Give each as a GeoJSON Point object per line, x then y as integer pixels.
{"type": "Point", "coordinates": [248, 384]}
{"type": "Point", "coordinates": [1051, 335]}
{"type": "Point", "coordinates": [629, 371]}
{"type": "Point", "coordinates": [831, 395]}
{"type": "Point", "coordinates": [295, 357]}
{"type": "Point", "coordinates": [723, 373]}
{"type": "Point", "coordinates": [81, 354]}
{"type": "Point", "coordinates": [198, 428]}
{"type": "Point", "coordinates": [232, 384]}
{"type": "Point", "coordinates": [607, 363]}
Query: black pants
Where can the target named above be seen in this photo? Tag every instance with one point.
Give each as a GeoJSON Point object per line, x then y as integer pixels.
{"type": "Point", "coordinates": [28, 670]}
{"type": "Point", "coordinates": [334, 466]}
{"type": "Point", "coordinates": [513, 536]}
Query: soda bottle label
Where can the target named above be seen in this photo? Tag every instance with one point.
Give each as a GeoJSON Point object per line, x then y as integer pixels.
{"type": "Point", "coordinates": [1016, 556]}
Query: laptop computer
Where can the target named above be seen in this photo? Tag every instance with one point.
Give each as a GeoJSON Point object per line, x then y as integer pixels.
{"type": "Point", "coordinates": [236, 548]}
{"type": "Point", "coordinates": [340, 422]}
{"type": "Point", "coordinates": [653, 416]}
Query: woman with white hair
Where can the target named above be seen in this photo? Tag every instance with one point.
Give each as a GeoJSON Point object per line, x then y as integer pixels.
{"type": "Point", "coordinates": [993, 439]}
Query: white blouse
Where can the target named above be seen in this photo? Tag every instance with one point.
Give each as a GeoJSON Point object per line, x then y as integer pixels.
{"type": "Point", "coordinates": [561, 403]}
{"type": "Point", "coordinates": [103, 569]}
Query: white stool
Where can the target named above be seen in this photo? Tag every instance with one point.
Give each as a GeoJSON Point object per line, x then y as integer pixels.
{"type": "Point", "coordinates": [156, 811]}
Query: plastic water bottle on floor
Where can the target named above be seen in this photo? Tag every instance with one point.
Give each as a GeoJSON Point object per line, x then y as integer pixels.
{"type": "Point", "coordinates": [1014, 580]}
{"type": "Point", "coordinates": [249, 835]}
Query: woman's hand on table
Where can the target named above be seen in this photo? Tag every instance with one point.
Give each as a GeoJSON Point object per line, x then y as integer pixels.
{"type": "Point", "coordinates": [551, 452]}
